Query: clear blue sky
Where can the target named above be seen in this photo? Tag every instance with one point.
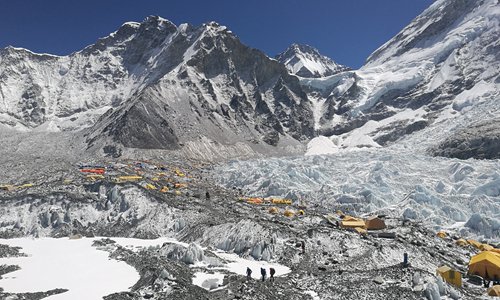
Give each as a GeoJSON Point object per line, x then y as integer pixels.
{"type": "Point", "coordinates": [345, 30]}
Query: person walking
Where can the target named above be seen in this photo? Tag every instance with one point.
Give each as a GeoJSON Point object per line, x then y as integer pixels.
{"type": "Point", "coordinates": [272, 271]}
{"type": "Point", "coordinates": [249, 273]}
{"type": "Point", "coordinates": [263, 273]}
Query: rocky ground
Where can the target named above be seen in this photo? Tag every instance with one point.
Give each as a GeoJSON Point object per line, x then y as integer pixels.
{"type": "Point", "coordinates": [337, 263]}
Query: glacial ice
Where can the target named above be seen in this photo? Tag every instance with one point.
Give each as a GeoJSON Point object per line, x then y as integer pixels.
{"type": "Point", "coordinates": [438, 191]}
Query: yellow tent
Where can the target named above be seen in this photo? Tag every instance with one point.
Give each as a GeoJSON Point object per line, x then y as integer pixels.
{"type": "Point", "coordinates": [494, 291]}
{"type": "Point", "coordinates": [301, 212]}
{"type": "Point", "coordinates": [350, 218]}
{"type": "Point", "coordinates": [474, 243]}
{"type": "Point", "coordinates": [289, 213]}
{"type": "Point", "coordinates": [375, 223]}
{"type": "Point", "coordinates": [352, 223]}
{"type": "Point", "coordinates": [7, 187]}
{"type": "Point", "coordinates": [149, 186]}
{"type": "Point", "coordinates": [442, 234]}
{"type": "Point", "coordinates": [486, 247]}
{"type": "Point", "coordinates": [449, 275]}
{"type": "Point", "coordinates": [461, 242]}
{"type": "Point", "coordinates": [485, 264]}
{"type": "Point", "coordinates": [273, 210]}
{"type": "Point", "coordinates": [281, 201]}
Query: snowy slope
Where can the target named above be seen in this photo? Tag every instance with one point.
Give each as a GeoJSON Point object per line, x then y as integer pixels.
{"type": "Point", "coordinates": [52, 93]}
{"type": "Point", "coordinates": [306, 61]}
{"type": "Point", "coordinates": [442, 68]}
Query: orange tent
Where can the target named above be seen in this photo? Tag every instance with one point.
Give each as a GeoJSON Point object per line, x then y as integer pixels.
{"type": "Point", "coordinates": [375, 223]}
{"type": "Point", "coordinates": [461, 242]}
{"type": "Point", "coordinates": [485, 264]}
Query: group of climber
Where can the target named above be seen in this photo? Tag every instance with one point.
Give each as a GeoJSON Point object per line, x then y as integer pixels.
{"type": "Point", "coordinates": [263, 274]}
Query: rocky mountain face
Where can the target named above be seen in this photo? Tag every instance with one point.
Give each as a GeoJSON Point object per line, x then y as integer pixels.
{"type": "Point", "coordinates": [438, 75]}
{"type": "Point", "coordinates": [156, 85]}
{"type": "Point", "coordinates": [216, 88]}
{"type": "Point", "coordinates": [306, 61]}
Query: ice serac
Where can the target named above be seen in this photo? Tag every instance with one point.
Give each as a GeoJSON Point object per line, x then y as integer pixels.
{"type": "Point", "coordinates": [306, 61]}
{"type": "Point", "coordinates": [440, 74]}
{"type": "Point", "coordinates": [209, 85]}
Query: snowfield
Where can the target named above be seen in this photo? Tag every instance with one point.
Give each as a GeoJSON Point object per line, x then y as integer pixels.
{"type": "Point", "coordinates": [67, 263]}
{"type": "Point", "coordinates": [75, 265]}
{"type": "Point", "coordinates": [444, 193]}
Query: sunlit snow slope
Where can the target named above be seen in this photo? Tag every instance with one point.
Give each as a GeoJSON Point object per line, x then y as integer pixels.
{"type": "Point", "coordinates": [440, 72]}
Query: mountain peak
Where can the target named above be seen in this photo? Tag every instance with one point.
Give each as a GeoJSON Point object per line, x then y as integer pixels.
{"type": "Point", "coordinates": [306, 61]}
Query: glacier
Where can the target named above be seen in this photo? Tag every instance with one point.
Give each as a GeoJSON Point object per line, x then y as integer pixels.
{"type": "Point", "coordinates": [438, 191]}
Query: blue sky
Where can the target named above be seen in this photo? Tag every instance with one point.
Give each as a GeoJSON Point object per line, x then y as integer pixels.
{"type": "Point", "coordinates": [347, 31]}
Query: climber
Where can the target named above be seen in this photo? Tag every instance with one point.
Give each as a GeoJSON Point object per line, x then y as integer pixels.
{"type": "Point", "coordinates": [405, 260]}
{"type": "Point", "coordinates": [303, 245]}
{"type": "Point", "coordinates": [207, 195]}
{"type": "Point", "coordinates": [272, 271]}
{"type": "Point", "coordinates": [249, 273]}
{"type": "Point", "coordinates": [263, 273]}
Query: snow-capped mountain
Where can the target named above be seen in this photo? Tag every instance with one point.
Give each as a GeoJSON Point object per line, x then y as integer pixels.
{"type": "Point", "coordinates": [438, 76]}
{"type": "Point", "coordinates": [167, 85]}
{"type": "Point", "coordinates": [209, 85]}
{"type": "Point", "coordinates": [157, 85]}
{"type": "Point", "coordinates": [306, 61]}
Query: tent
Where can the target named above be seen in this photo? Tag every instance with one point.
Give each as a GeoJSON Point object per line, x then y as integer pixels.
{"type": "Point", "coordinates": [442, 234]}
{"type": "Point", "coordinates": [486, 247]}
{"type": "Point", "coordinates": [461, 242]}
{"type": "Point", "coordinates": [494, 291]}
{"type": "Point", "coordinates": [485, 264]}
{"type": "Point", "coordinates": [289, 213]}
{"type": "Point", "coordinates": [273, 210]}
{"type": "Point", "coordinates": [350, 218]}
{"type": "Point", "coordinates": [375, 223]}
{"type": "Point", "coordinates": [474, 243]}
{"type": "Point", "coordinates": [352, 223]}
{"type": "Point", "coordinates": [449, 275]}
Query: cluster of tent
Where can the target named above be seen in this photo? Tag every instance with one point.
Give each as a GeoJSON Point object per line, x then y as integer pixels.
{"type": "Point", "coordinates": [11, 187]}
{"type": "Point", "coordinates": [485, 264]}
{"type": "Point", "coordinates": [259, 200]}
{"type": "Point", "coordinates": [287, 213]}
